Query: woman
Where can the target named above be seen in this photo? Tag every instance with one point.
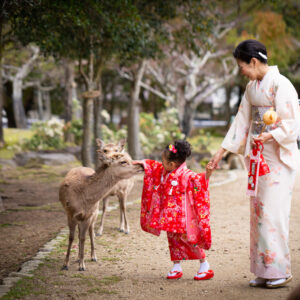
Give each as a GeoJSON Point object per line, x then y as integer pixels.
{"type": "Point", "coordinates": [270, 208]}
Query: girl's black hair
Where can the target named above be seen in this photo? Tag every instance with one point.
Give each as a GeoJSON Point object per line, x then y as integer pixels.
{"type": "Point", "coordinates": [184, 150]}
{"type": "Point", "coordinates": [251, 48]}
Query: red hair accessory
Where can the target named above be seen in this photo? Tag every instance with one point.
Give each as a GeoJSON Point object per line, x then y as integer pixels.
{"type": "Point", "coordinates": [172, 148]}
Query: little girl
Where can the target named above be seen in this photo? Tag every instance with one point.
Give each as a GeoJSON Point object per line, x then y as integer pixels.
{"type": "Point", "coordinates": [176, 200]}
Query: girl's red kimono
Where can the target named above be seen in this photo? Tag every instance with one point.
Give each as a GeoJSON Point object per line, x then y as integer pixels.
{"type": "Point", "coordinates": [177, 202]}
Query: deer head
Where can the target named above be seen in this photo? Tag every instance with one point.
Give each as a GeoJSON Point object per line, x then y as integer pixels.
{"type": "Point", "coordinates": [106, 151]}
{"type": "Point", "coordinates": [120, 166]}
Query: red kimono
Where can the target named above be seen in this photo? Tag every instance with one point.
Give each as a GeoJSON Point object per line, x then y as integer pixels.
{"type": "Point", "coordinates": [177, 202]}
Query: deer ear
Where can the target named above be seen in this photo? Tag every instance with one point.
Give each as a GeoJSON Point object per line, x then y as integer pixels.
{"type": "Point", "coordinates": [121, 145]}
{"type": "Point", "coordinates": [99, 143]}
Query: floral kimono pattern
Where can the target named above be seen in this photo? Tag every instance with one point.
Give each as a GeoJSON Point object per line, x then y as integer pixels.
{"type": "Point", "coordinates": [270, 209]}
{"type": "Point", "coordinates": [177, 202]}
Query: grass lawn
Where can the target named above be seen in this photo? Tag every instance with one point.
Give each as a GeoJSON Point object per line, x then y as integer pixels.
{"type": "Point", "coordinates": [11, 137]}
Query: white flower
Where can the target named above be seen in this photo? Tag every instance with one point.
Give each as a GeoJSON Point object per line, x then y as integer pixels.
{"type": "Point", "coordinates": [105, 115]}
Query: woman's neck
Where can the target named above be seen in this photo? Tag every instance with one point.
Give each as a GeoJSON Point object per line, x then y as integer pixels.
{"type": "Point", "coordinates": [262, 71]}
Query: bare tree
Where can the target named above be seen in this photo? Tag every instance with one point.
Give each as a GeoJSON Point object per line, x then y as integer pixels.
{"type": "Point", "coordinates": [17, 76]}
{"type": "Point", "coordinates": [186, 77]}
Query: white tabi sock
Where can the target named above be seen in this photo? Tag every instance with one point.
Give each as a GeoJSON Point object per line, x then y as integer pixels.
{"type": "Point", "coordinates": [204, 267]}
{"type": "Point", "coordinates": [176, 267]}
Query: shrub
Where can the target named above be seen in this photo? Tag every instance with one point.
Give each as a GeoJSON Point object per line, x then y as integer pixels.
{"type": "Point", "coordinates": [46, 135]}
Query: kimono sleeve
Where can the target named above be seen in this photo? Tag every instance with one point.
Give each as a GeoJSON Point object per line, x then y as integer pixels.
{"type": "Point", "coordinates": [151, 167]}
{"type": "Point", "coordinates": [236, 137]}
{"type": "Point", "coordinates": [199, 185]}
{"type": "Point", "coordinates": [287, 127]}
{"type": "Point", "coordinates": [150, 203]}
{"type": "Point", "coordinates": [287, 109]}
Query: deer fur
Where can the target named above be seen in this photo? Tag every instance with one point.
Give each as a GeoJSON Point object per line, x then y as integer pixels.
{"type": "Point", "coordinates": [121, 189]}
{"type": "Point", "coordinates": [80, 192]}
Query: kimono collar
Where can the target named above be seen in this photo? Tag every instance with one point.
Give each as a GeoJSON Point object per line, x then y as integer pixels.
{"type": "Point", "coordinates": [273, 70]}
{"type": "Point", "coordinates": [177, 172]}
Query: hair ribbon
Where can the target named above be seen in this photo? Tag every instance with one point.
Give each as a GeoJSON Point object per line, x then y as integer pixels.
{"type": "Point", "coordinates": [172, 148]}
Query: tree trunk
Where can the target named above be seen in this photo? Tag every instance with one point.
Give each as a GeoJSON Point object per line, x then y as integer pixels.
{"type": "Point", "coordinates": [19, 112]}
{"type": "Point", "coordinates": [1, 86]}
{"type": "Point", "coordinates": [47, 102]}
{"type": "Point", "coordinates": [39, 103]}
{"type": "Point", "coordinates": [188, 117]}
{"type": "Point", "coordinates": [87, 145]}
{"type": "Point", "coordinates": [228, 90]}
{"type": "Point", "coordinates": [134, 146]}
{"type": "Point", "coordinates": [68, 98]}
{"type": "Point", "coordinates": [87, 133]}
{"type": "Point", "coordinates": [1, 108]}
{"type": "Point", "coordinates": [98, 105]}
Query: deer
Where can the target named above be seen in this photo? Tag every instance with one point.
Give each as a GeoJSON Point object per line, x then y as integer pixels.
{"type": "Point", "coordinates": [80, 193]}
{"type": "Point", "coordinates": [121, 189]}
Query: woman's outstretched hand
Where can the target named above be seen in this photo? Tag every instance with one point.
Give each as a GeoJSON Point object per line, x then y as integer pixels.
{"type": "Point", "coordinates": [214, 162]}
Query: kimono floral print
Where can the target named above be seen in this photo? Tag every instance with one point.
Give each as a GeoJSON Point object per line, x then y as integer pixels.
{"type": "Point", "coordinates": [270, 209]}
{"type": "Point", "coordinates": [176, 202]}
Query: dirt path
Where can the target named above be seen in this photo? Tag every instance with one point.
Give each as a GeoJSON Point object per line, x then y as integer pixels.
{"type": "Point", "coordinates": [134, 266]}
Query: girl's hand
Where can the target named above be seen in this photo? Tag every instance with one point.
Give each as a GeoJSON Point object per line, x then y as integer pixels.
{"type": "Point", "coordinates": [214, 162]}
{"type": "Point", "coordinates": [263, 137]}
{"type": "Point", "coordinates": [138, 162]}
{"type": "Point", "coordinates": [209, 170]}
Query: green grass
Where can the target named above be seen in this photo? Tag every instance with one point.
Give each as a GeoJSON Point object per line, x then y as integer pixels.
{"type": "Point", "coordinates": [111, 259]}
{"type": "Point", "coordinates": [12, 137]}
{"type": "Point", "coordinates": [56, 206]}
{"type": "Point", "coordinates": [22, 288]}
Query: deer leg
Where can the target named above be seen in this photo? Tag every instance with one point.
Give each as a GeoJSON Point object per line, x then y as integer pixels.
{"type": "Point", "coordinates": [72, 227]}
{"type": "Point", "coordinates": [124, 225]}
{"type": "Point", "coordinates": [78, 253]}
{"type": "Point", "coordinates": [92, 238]}
{"type": "Point", "coordinates": [83, 229]}
{"type": "Point", "coordinates": [105, 204]}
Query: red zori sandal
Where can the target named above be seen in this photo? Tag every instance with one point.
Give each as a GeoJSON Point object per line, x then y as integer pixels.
{"type": "Point", "coordinates": [204, 275]}
{"type": "Point", "coordinates": [174, 275]}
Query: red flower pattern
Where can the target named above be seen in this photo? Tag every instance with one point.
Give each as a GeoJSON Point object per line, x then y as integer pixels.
{"type": "Point", "coordinates": [176, 202]}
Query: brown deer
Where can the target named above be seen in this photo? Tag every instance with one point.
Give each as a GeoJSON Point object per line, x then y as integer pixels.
{"type": "Point", "coordinates": [80, 192]}
{"type": "Point", "coordinates": [121, 189]}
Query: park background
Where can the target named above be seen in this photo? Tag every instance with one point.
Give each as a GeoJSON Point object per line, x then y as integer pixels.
{"type": "Point", "coordinates": [150, 72]}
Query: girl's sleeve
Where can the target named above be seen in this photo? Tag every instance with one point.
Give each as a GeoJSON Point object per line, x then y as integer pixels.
{"type": "Point", "coordinates": [199, 186]}
{"type": "Point", "coordinates": [151, 167]}
{"type": "Point", "coordinates": [236, 137]}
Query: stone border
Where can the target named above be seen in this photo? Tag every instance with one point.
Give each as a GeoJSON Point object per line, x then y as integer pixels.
{"type": "Point", "coordinates": [28, 267]}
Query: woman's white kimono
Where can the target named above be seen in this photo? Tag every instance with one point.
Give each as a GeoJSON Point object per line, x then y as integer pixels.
{"type": "Point", "coordinates": [270, 209]}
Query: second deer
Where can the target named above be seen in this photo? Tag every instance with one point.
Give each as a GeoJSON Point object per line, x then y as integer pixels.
{"type": "Point", "coordinates": [121, 189]}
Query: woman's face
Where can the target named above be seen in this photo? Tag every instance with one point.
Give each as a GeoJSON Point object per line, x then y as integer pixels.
{"type": "Point", "coordinates": [168, 165]}
{"type": "Point", "coordinates": [248, 70]}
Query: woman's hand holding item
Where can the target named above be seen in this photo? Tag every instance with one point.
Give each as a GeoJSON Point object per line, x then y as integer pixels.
{"type": "Point", "coordinates": [263, 137]}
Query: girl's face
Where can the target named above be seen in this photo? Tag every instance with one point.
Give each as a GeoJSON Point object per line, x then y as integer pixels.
{"type": "Point", "coordinates": [168, 165]}
{"type": "Point", "coordinates": [248, 70]}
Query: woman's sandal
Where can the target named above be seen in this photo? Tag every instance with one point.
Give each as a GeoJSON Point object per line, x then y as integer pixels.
{"type": "Point", "coordinates": [258, 282]}
{"type": "Point", "coordinates": [174, 275]}
{"type": "Point", "coordinates": [204, 275]}
{"type": "Point", "coordinates": [273, 284]}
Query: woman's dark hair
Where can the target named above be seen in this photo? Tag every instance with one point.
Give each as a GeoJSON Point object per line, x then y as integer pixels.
{"type": "Point", "coordinates": [183, 150]}
{"type": "Point", "coordinates": [251, 48]}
